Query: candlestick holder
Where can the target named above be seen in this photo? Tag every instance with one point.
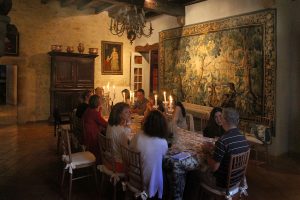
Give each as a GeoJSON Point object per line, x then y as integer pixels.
{"type": "Point", "coordinates": [165, 105]}
{"type": "Point", "coordinates": [155, 107]}
{"type": "Point", "coordinates": [107, 101]}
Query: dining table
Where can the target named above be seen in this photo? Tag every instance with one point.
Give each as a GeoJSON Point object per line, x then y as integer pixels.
{"type": "Point", "coordinates": [185, 154]}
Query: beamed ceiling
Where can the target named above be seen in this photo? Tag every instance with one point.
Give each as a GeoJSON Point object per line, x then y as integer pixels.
{"type": "Point", "coordinates": [151, 7]}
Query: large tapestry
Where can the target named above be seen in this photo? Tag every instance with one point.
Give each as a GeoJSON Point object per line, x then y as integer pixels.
{"type": "Point", "coordinates": [229, 63]}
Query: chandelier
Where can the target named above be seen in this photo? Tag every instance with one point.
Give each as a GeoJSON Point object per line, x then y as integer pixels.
{"type": "Point", "coordinates": [131, 20]}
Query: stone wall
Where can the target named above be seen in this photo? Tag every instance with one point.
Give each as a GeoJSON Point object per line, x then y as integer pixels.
{"type": "Point", "coordinates": [40, 26]}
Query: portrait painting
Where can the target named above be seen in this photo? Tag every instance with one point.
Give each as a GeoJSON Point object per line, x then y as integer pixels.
{"type": "Point", "coordinates": [229, 62]}
{"type": "Point", "coordinates": [111, 58]}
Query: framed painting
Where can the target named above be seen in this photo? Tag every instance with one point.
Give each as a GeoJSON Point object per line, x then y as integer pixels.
{"type": "Point", "coordinates": [229, 62]}
{"type": "Point", "coordinates": [11, 41]}
{"type": "Point", "coordinates": [111, 58]}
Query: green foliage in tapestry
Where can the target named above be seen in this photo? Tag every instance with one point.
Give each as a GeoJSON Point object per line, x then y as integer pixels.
{"type": "Point", "coordinates": [200, 68]}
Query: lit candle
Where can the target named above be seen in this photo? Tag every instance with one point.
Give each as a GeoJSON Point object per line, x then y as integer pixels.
{"type": "Point", "coordinates": [171, 101]}
{"type": "Point", "coordinates": [108, 87]}
{"type": "Point", "coordinates": [132, 96]}
{"type": "Point", "coordinates": [114, 88]}
{"type": "Point", "coordinates": [123, 96]}
{"type": "Point", "coordinates": [165, 96]}
{"type": "Point", "coordinates": [155, 98]}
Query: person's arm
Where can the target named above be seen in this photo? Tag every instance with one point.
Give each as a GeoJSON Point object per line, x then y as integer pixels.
{"type": "Point", "coordinates": [214, 165]}
{"type": "Point", "coordinates": [176, 115]}
{"type": "Point", "coordinates": [219, 151]}
{"type": "Point", "coordinates": [100, 120]}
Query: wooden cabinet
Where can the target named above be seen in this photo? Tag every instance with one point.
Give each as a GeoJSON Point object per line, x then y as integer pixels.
{"type": "Point", "coordinates": [71, 74]}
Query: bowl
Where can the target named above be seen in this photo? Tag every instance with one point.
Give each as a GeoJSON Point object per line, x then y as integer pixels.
{"type": "Point", "coordinates": [70, 49]}
{"type": "Point", "coordinates": [93, 50]}
{"type": "Point", "coordinates": [56, 48]}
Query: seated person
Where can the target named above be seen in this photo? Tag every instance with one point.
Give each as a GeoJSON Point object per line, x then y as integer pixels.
{"type": "Point", "coordinates": [127, 96]}
{"type": "Point", "coordinates": [140, 105]}
{"type": "Point", "coordinates": [118, 131]}
{"type": "Point", "coordinates": [230, 143]}
{"type": "Point", "coordinates": [179, 116]}
{"type": "Point", "coordinates": [104, 104]}
{"type": "Point", "coordinates": [153, 146]}
{"type": "Point", "coordinates": [93, 124]}
{"type": "Point", "coordinates": [214, 126]}
{"type": "Point", "coordinates": [85, 103]}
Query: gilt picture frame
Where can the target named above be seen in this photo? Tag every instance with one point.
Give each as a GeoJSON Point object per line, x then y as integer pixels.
{"type": "Point", "coordinates": [111, 58]}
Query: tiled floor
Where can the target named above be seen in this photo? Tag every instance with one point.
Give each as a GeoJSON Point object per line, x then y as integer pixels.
{"type": "Point", "coordinates": [30, 169]}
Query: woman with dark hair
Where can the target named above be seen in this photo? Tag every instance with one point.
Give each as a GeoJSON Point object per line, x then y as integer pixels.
{"type": "Point", "coordinates": [118, 131]}
{"type": "Point", "coordinates": [179, 116]}
{"type": "Point", "coordinates": [127, 95]}
{"type": "Point", "coordinates": [151, 143]}
{"type": "Point", "coordinates": [214, 126]}
{"type": "Point", "coordinates": [93, 124]}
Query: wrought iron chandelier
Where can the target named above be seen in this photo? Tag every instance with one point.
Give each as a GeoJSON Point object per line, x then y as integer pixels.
{"type": "Point", "coordinates": [130, 19]}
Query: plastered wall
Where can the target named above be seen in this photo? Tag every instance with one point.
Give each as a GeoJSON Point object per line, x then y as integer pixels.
{"type": "Point", "coordinates": [40, 26]}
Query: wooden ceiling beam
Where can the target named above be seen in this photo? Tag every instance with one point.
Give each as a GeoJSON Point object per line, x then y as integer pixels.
{"type": "Point", "coordinates": [44, 1]}
{"type": "Point", "coordinates": [64, 3]}
{"type": "Point", "coordinates": [162, 7]}
{"type": "Point", "coordinates": [104, 7]}
{"type": "Point", "coordinates": [132, 2]}
{"type": "Point", "coordinates": [83, 4]}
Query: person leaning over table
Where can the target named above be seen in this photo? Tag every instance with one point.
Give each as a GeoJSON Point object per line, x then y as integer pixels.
{"type": "Point", "coordinates": [214, 126]}
{"type": "Point", "coordinates": [93, 124]}
{"type": "Point", "coordinates": [140, 105]}
{"type": "Point", "coordinates": [85, 103]}
{"type": "Point", "coordinates": [231, 143]}
{"type": "Point", "coordinates": [151, 143]}
{"type": "Point", "coordinates": [118, 132]}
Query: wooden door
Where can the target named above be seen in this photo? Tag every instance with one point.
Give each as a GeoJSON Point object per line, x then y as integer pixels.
{"type": "Point", "coordinates": [140, 77]}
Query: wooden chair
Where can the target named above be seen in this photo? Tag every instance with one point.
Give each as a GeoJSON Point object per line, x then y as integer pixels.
{"type": "Point", "coordinates": [76, 128]}
{"type": "Point", "coordinates": [74, 161]}
{"type": "Point", "coordinates": [135, 183]}
{"type": "Point", "coordinates": [108, 159]}
{"type": "Point", "coordinates": [190, 122]}
{"type": "Point", "coordinates": [236, 173]}
{"type": "Point", "coordinates": [203, 122]}
{"type": "Point", "coordinates": [261, 131]}
{"type": "Point", "coordinates": [58, 121]}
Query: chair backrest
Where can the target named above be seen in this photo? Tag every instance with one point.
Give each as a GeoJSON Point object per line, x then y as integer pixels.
{"type": "Point", "coordinates": [72, 116]}
{"type": "Point", "coordinates": [203, 122]}
{"type": "Point", "coordinates": [190, 121]}
{"type": "Point", "coordinates": [106, 151]}
{"type": "Point", "coordinates": [133, 164]}
{"type": "Point", "coordinates": [66, 144]}
{"type": "Point", "coordinates": [237, 168]}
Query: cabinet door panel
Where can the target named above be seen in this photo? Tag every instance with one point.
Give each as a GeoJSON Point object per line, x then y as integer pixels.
{"type": "Point", "coordinates": [63, 72]}
{"type": "Point", "coordinates": [85, 73]}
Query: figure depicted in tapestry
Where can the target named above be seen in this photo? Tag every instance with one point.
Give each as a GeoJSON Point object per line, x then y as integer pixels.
{"type": "Point", "coordinates": [230, 97]}
{"type": "Point", "coordinates": [223, 68]}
